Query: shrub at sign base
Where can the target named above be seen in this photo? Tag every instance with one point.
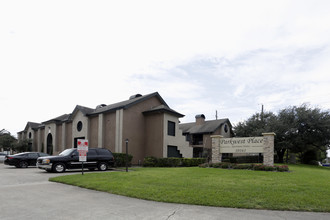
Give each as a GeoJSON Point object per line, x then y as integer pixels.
{"type": "Point", "coordinates": [279, 168]}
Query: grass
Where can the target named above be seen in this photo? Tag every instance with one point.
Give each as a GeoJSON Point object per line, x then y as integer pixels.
{"type": "Point", "coordinates": [305, 188]}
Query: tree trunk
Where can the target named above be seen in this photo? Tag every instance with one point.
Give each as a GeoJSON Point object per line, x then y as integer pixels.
{"type": "Point", "coordinates": [293, 158]}
{"type": "Point", "coordinates": [280, 155]}
{"type": "Point", "coordinates": [287, 155]}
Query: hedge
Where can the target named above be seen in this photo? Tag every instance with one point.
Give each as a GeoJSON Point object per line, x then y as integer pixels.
{"type": "Point", "coordinates": [120, 159]}
{"type": "Point", "coordinates": [244, 159]}
{"type": "Point", "coordinates": [225, 165]}
{"type": "Point", "coordinates": [172, 162]}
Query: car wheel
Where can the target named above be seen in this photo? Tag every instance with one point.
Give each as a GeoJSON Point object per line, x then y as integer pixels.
{"type": "Point", "coordinates": [102, 166]}
{"type": "Point", "coordinates": [23, 164]}
{"type": "Point", "coordinates": [59, 168]}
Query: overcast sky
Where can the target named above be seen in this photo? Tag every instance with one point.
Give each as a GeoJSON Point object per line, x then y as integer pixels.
{"type": "Point", "coordinates": [201, 56]}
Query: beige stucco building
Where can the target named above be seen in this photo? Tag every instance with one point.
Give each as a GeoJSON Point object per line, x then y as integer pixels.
{"type": "Point", "coordinates": [149, 124]}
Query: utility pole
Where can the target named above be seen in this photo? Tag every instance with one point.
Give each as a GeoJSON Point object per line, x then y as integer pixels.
{"type": "Point", "coordinates": [262, 112]}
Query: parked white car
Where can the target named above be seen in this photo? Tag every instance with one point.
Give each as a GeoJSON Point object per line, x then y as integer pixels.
{"type": "Point", "coordinates": [324, 164]}
{"type": "Point", "coordinates": [2, 157]}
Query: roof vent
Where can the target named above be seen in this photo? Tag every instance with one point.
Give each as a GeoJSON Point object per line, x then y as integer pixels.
{"type": "Point", "coordinates": [100, 106]}
{"type": "Point", "coordinates": [135, 96]}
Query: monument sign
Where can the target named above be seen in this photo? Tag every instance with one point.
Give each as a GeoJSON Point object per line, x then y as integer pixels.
{"type": "Point", "coordinates": [263, 145]}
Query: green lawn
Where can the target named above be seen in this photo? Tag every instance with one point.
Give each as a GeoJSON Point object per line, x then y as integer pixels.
{"type": "Point", "coordinates": [304, 188]}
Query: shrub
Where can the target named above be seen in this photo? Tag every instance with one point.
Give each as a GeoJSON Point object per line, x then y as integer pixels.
{"type": "Point", "coordinates": [235, 166]}
{"type": "Point", "coordinates": [161, 162]}
{"type": "Point", "coordinates": [225, 165]}
{"type": "Point", "coordinates": [120, 159]}
{"type": "Point", "coordinates": [192, 162]}
{"type": "Point", "coordinates": [243, 166]}
{"type": "Point", "coordinates": [258, 167]}
{"type": "Point", "coordinates": [215, 165]}
{"type": "Point", "coordinates": [269, 168]}
{"type": "Point", "coordinates": [313, 162]}
{"type": "Point", "coordinates": [172, 162]}
{"type": "Point", "coordinates": [282, 168]}
{"type": "Point", "coordinates": [150, 161]}
{"type": "Point", "coordinates": [168, 162]}
{"type": "Point", "coordinates": [204, 165]}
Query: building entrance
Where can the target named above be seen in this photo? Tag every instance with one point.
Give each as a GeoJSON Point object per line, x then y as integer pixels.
{"type": "Point", "coordinates": [49, 144]}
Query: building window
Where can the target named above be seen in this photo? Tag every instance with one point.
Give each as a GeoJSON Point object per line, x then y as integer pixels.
{"type": "Point", "coordinates": [226, 128]}
{"type": "Point", "coordinates": [79, 126]}
{"type": "Point", "coordinates": [30, 135]}
{"type": "Point", "coordinates": [172, 151]}
{"type": "Point", "coordinates": [188, 137]}
{"type": "Point", "coordinates": [171, 128]}
{"type": "Point", "coordinates": [197, 139]}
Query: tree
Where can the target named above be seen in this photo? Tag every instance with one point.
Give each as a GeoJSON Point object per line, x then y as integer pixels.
{"type": "Point", "coordinates": [284, 128]}
{"type": "Point", "coordinates": [7, 141]}
{"type": "Point", "coordinates": [255, 125]}
{"type": "Point", "coordinates": [309, 132]}
{"type": "Point", "coordinates": [262, 123]}
{"type": "Point", "coordinates": [302, 130]}
{"type": "Point", "coordinates": [22, 146]}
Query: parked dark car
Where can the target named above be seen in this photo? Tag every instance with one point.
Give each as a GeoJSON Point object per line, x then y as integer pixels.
{"type": "Point", "coordinates": [23, 160]}
{"type": "Point", "coordinates": [99, 158]}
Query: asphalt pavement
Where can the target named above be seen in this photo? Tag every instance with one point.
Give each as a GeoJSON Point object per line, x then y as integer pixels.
{"type": "Point", "coordinates": [27, 194]}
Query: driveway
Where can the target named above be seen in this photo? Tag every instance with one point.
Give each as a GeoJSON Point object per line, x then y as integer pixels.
{"type": "Point", "coordinates": [27, 194]}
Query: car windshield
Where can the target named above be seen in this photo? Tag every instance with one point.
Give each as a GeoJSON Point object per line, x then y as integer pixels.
{"type": "Point", "coordinates": [67, 152]}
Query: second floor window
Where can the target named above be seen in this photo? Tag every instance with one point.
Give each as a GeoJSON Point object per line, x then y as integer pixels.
{"type": "Point", "coordinates": [197, 139]}
{"type": "Point", "coordinates": [171, 128]}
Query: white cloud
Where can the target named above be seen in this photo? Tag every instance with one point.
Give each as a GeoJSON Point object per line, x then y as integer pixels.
{"type": "Point", "coordinates": [201, 56]}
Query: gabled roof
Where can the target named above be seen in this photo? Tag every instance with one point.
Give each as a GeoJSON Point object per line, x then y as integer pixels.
{"type": "Point", "coordinates": [206, 127]}
{"type": "Point", "coordinates": [128, 103]}
{"type": "Point", "coordinates": [83, 109]}
{"type": "Point", "coordinates": [162, 109]}
{"type": "Point", "coordinates": [58, 119]}
{"type": "Point", "coordinates": [32, 125]}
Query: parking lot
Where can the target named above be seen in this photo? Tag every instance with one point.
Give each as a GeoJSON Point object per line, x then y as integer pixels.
{"type": "Point", "coordinates": [27, 194]}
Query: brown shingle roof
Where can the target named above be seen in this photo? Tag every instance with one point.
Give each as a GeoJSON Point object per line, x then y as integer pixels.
{"type": "Point", "coordinates": [163, 108]}
{"type": "Point", "coordinates": [127, 103]}
{"type": "Point", "coordinates": [207, 127]}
